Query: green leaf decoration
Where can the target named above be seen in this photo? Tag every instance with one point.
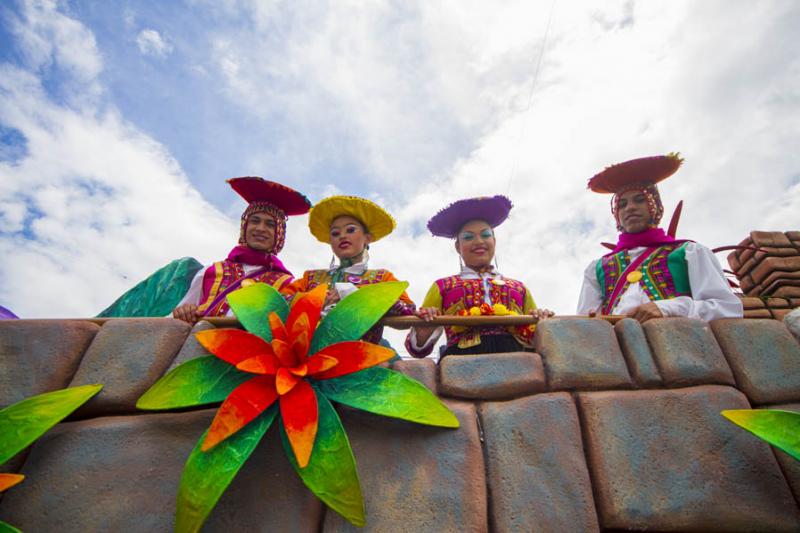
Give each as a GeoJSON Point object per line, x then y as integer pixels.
{"type": "Point", "coordinates": [199, 381]}
{"type": "Point", "coordinates": [386, 392]}
{"type": "Point", "coordinates": [779, 428]}
{"type": "Point", "coordinates": [8, 528]}
{"type": "Point", "coordinates": [331, 473]}
{"type": "Point", "coordinates": [207, 475]}
{"type": "Point", "coordinates": [24, 422]}
{"type": "Point", "coordinates": [356, 313]}
{"type": "Point", "coordinates": [252, 306]}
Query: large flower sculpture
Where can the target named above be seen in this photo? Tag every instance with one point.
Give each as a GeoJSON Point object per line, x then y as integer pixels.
{"type": "Point", "coordinates": [777, 427]}
{"type": "Point", "coordinates": [291, 362]}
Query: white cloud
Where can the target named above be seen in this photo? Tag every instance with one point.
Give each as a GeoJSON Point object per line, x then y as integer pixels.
{"type": "Point", "coordinates": [151, 43]}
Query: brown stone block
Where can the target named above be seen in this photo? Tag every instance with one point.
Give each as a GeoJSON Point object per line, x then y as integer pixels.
{"type": "Point", "coordinates": [778, 314]}
{"type": "Point", "coordinates": [423, 370]}
{"type": "Point", "coordinates": [773, 264]}
{"type": "Point", "coordinates": [793, 235]}
{"type": "Point", "coordinates": [191, 349]}
{"type": "Point", "coordinates": [491, 376]}
{"type": "Point", "coordinates": [755, 291]}
{"type": "Point", "coordinates": [787, 291]}
{"type": "Point", "coordinates": [733, 261]}
{"type": "Point", "coordinates": [770, 239]}
{"type": "Point", "coordinates": [746, 283]}
{"type": "Point", "coordinates": [668, 461]}
{"type": "Point", "coordinates": [581, 353]}
{"type": "Point", "coordinates": [777, 303]}
{"type": "Point", "coordinates": [637, 353]}
{"type": "Point", "coordinates": [779, 279]}
{"type": "Point", "coordinates": [537, 473]}
{"type": "Point", "coordinates": [790, 465]}
{"type": "Point", "coordinates": [757, 313]}
{"type": "Point", "coordinates": [121, 474]}
{"type": "Point", "coordinates": [794, 302]}
{"type": "Point", "coordinates": [764, 357]}
{"type": "Point", "coordinates": [745, 254]}
{"type": "Point", "coordinates": [415, 477]}
{"type": "Point", "coordinates": [752, 303]}
{"type": "Point", "coordinates": [774, 252]}
{"type": "Point", "coordinates": [686, 352]}
{"type": "Point", "coordinates": [38, 356]}
{"type": "Point", "coordinates": [747, 266]}
{"type": "Point", "coordinates": [127, 356]}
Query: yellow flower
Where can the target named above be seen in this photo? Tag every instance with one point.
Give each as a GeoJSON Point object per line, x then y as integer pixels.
{"type": "Point", "coordinates": [474, 311]}
{"type": "Point", "coordinates": [500, 309]}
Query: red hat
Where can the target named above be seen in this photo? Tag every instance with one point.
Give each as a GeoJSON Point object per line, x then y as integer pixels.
{"type": "Point", "coordinates": [642, 171]}
{"type": "Point", "coordinates": [258, 190]}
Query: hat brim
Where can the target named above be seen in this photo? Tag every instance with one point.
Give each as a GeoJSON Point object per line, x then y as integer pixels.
{"type": "Point", "coordinates": [378, 222]}
{"type": "Point", "coordinates": [255, 189]}
{"type": "Point", "coordinates": [644, 170]}
{"type": "Point", "coordinates": [492, 209]}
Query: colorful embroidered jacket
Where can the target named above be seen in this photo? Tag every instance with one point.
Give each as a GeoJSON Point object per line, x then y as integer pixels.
{"type": "Point", "coordinates": [456, 293]}
{"type": "Point", "coordinates": [222, 274]}
{"type": "Point", "coordinates": [313, 278]}
{"type": "Point", "coordinates": [663, 274]}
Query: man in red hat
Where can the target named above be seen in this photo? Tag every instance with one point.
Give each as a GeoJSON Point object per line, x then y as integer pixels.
{"type": "Point", "coordinates": [261, 237]}
{"type": "Point", "coordinates": [650, 274]}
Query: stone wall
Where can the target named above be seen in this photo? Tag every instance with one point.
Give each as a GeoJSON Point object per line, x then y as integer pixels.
{"type": "Point", "coordinates": [603, 428]}
{"type": "Point", "coordinates": [773, 269]}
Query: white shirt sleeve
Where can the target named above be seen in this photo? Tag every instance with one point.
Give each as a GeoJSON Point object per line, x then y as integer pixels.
{"type": "Point", "coordinates": [712, 296]}
{"type": "Point", "coordinates": [427, 346]}
{"type": "Point", "coordinates": [591, 297]}
{"type": "Point", "coordinates": [195, 291]}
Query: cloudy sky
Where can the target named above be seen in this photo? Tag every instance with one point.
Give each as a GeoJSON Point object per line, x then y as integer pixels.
{"type": "Point", "coordinates": [120, 121]}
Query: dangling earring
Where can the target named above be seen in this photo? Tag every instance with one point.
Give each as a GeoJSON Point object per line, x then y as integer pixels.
{"type": "Point", "coordinates": [460, 263]}
{"type": "Point", "coordinates": [365, 255]}
{"type": "Point", "coordinates": [495, 263]}
{"type": "Point", "coordinates": [333, 262]}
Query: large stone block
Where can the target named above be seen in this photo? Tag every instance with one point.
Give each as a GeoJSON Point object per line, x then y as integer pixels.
{"type": "Point", "coordinates": [764, 357]}
{"type": "Point", "coordinates": [423, 370]}
{"type": "Point", "coordinates": [790, 465]}
{"type": "Point", "coordinates": [686, 352]}
{"type": "Point", "coordinates": [122, 474]}
{"type": "Point", "coordinates": [668, 461]}
{"type": "Point", "coordinates": [771, 264]}
{"type": "Point", "coordinates": [191, 349]}
{"type": "Point", "coordinates": [538, 479]}
{"type": "Point", "coordinates": [581, 353]}
{"type": "Point", "coordinates": [127, 356]}
{"type": "Point", "coordinates": [770, 239]}
{"type": "Point", "coordinates": [637, 353]}
{"type": "Point", "coordinates": [38, 356]}
{"type": "Point", "coordinates": [491, 376]}
{"type": "Point", "coordinates": [417, 478]}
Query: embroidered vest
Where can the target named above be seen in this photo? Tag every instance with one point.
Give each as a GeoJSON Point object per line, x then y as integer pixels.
{"type": "Point", "coordinates": [664, 274]}
{"type": "Point", "coordinates": [222, 274]}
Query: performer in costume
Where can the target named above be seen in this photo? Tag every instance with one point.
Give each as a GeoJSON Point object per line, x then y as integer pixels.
{"type": "Point", "coordinates": [349, 224]}
{"type": "Point", "coordinates": [650, 274]}
{"type": "Point", "coordinates": [479, 289]}
{"type": "Point", "coordinates": [262, 233]}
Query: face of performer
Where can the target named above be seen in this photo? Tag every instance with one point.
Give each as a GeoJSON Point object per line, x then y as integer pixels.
{"type": "Point", "coordinates": [348, 237]}
{"type": "Point", "coordinates": [634, 217]}
{"type": "Point", "coordinates": [475, 244]}
{"type": "Point", "coordinates": [260, 233]}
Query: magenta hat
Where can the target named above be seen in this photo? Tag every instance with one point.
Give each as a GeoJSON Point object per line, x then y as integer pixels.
{"type": "Point", "coordinates": [492, 209]}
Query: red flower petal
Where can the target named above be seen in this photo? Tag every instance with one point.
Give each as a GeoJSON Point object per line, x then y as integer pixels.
{"type": "Point", "coordinates": [300, 418]}
{"type": "Point", "coordinates": [310, 303]}
{"type": "Point", "coordinates": [353, 356]}
{"type": "Point", "coordinates": [260, 365]}
{"type": "Point", "coordinates": [285, 380]}
{"type": "Point", "coordinates": [300, 330]}
{"type": "Point", "coordinates": [244, 404]}
{"type": "Point", "coordinates": [277, 327]}
{"type": "Point", "coordinates": [233, 345]}
{"type": "Point", "coordinates": [284, 353]}
{"type": "Point", "coordinates": [319, 363]}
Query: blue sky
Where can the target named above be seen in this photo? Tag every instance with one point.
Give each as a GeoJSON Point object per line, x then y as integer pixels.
{"type": "Point", "coordinates": [120, 121]}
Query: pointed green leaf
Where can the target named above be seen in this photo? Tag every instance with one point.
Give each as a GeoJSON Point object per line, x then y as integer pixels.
{"type": "Point", "coordinates": [389, 393]}
{"type": "Point", "coordinates": [24, 422]}
{"type": "Point", "coordinates": [8, 528]}
{"type": "Point", "coordinates": [196, 382]}
{"type": "Point", "coordinates": [206, 475]}
{"type": "Point", "coordinates": [356, 313]}
{"type": "Point", "coordinates": [252, 306]}
{"type": "Point", "coordinates": [331, 473]}
{"type": "Point", "coordinates": [779, 428]}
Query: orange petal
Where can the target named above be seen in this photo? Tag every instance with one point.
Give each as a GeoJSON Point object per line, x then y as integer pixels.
{"type": "Point", "coordinates": [353, 356]}
{"type": "Point", "coordinates": [244, 404]}
{"type": "Point", "coordinates": [260, 364]}
{"type": "Point", "coordinates": [300, 330]}
{"type": "Point", "coordinates": [277, 327]}
{"type": "Point", "coordinates": [285, 380]}
{"type": "Point", "coordinates": [310, 303]}
{"type": "Point", "coordinates": [284, 353]}
{"type": "Point", "coordinates": [300, 419]}
{"type": "Point", "coordinates": [233, 345]}
{"type": "Point", "coordinates": [9, 480]}
{"type": "Point", "coordinates": [320, 363]}
{"type": "Point", "coordinates": [300, 370]}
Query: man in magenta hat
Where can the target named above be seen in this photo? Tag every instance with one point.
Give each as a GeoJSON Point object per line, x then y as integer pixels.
{"type": "Point", "coordinates": [650, 274]}
{"type": "Point", "coordinates": [261, 237]}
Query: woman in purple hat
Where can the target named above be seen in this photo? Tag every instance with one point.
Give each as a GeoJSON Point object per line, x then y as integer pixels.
{"type": "Point", "coordinates": [479, 289]}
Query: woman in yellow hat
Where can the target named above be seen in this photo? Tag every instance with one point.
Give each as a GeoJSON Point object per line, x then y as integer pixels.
{"type": "Point", "coordinates": [349, 224]}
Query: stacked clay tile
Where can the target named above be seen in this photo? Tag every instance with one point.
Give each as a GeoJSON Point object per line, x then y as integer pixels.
{"type": "Point", "coordinates": [770, 276]}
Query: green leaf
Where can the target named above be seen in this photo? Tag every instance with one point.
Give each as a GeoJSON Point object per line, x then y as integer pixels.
{"type": "Point", "coordinates": [331, 473]}
{"type": "Point", "coordinates": [206, 475]}
{"type": "Point", "coordinates": [252, 306]}
{"type": "Point", "coordinates": [196, 382]}
{"type": "Point", "coordinates": [356, 313]}
{"type": "Point", "coordinates": [24, 422]}
{"type": "Point", "coordinates": [389, 393]}
{"type": "Point", "coordinates": [8, 528]}
{"type": "Point", "coordinates": [779, 428]}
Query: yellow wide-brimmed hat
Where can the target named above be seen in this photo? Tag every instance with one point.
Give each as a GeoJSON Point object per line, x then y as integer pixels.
{"type": "Point", "coordinates": [378, 222]}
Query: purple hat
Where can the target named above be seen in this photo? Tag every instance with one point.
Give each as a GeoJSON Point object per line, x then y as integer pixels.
{"type": "Point", "coordinates": [447, 222]}
{"type": "Point", "coordinates": [6, 314]}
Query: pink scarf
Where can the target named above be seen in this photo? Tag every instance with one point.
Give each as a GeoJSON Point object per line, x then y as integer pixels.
{"type": "Point", "coordinates": [246, 255]}
{"type": "Point", "coordinates": [652, 237]}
